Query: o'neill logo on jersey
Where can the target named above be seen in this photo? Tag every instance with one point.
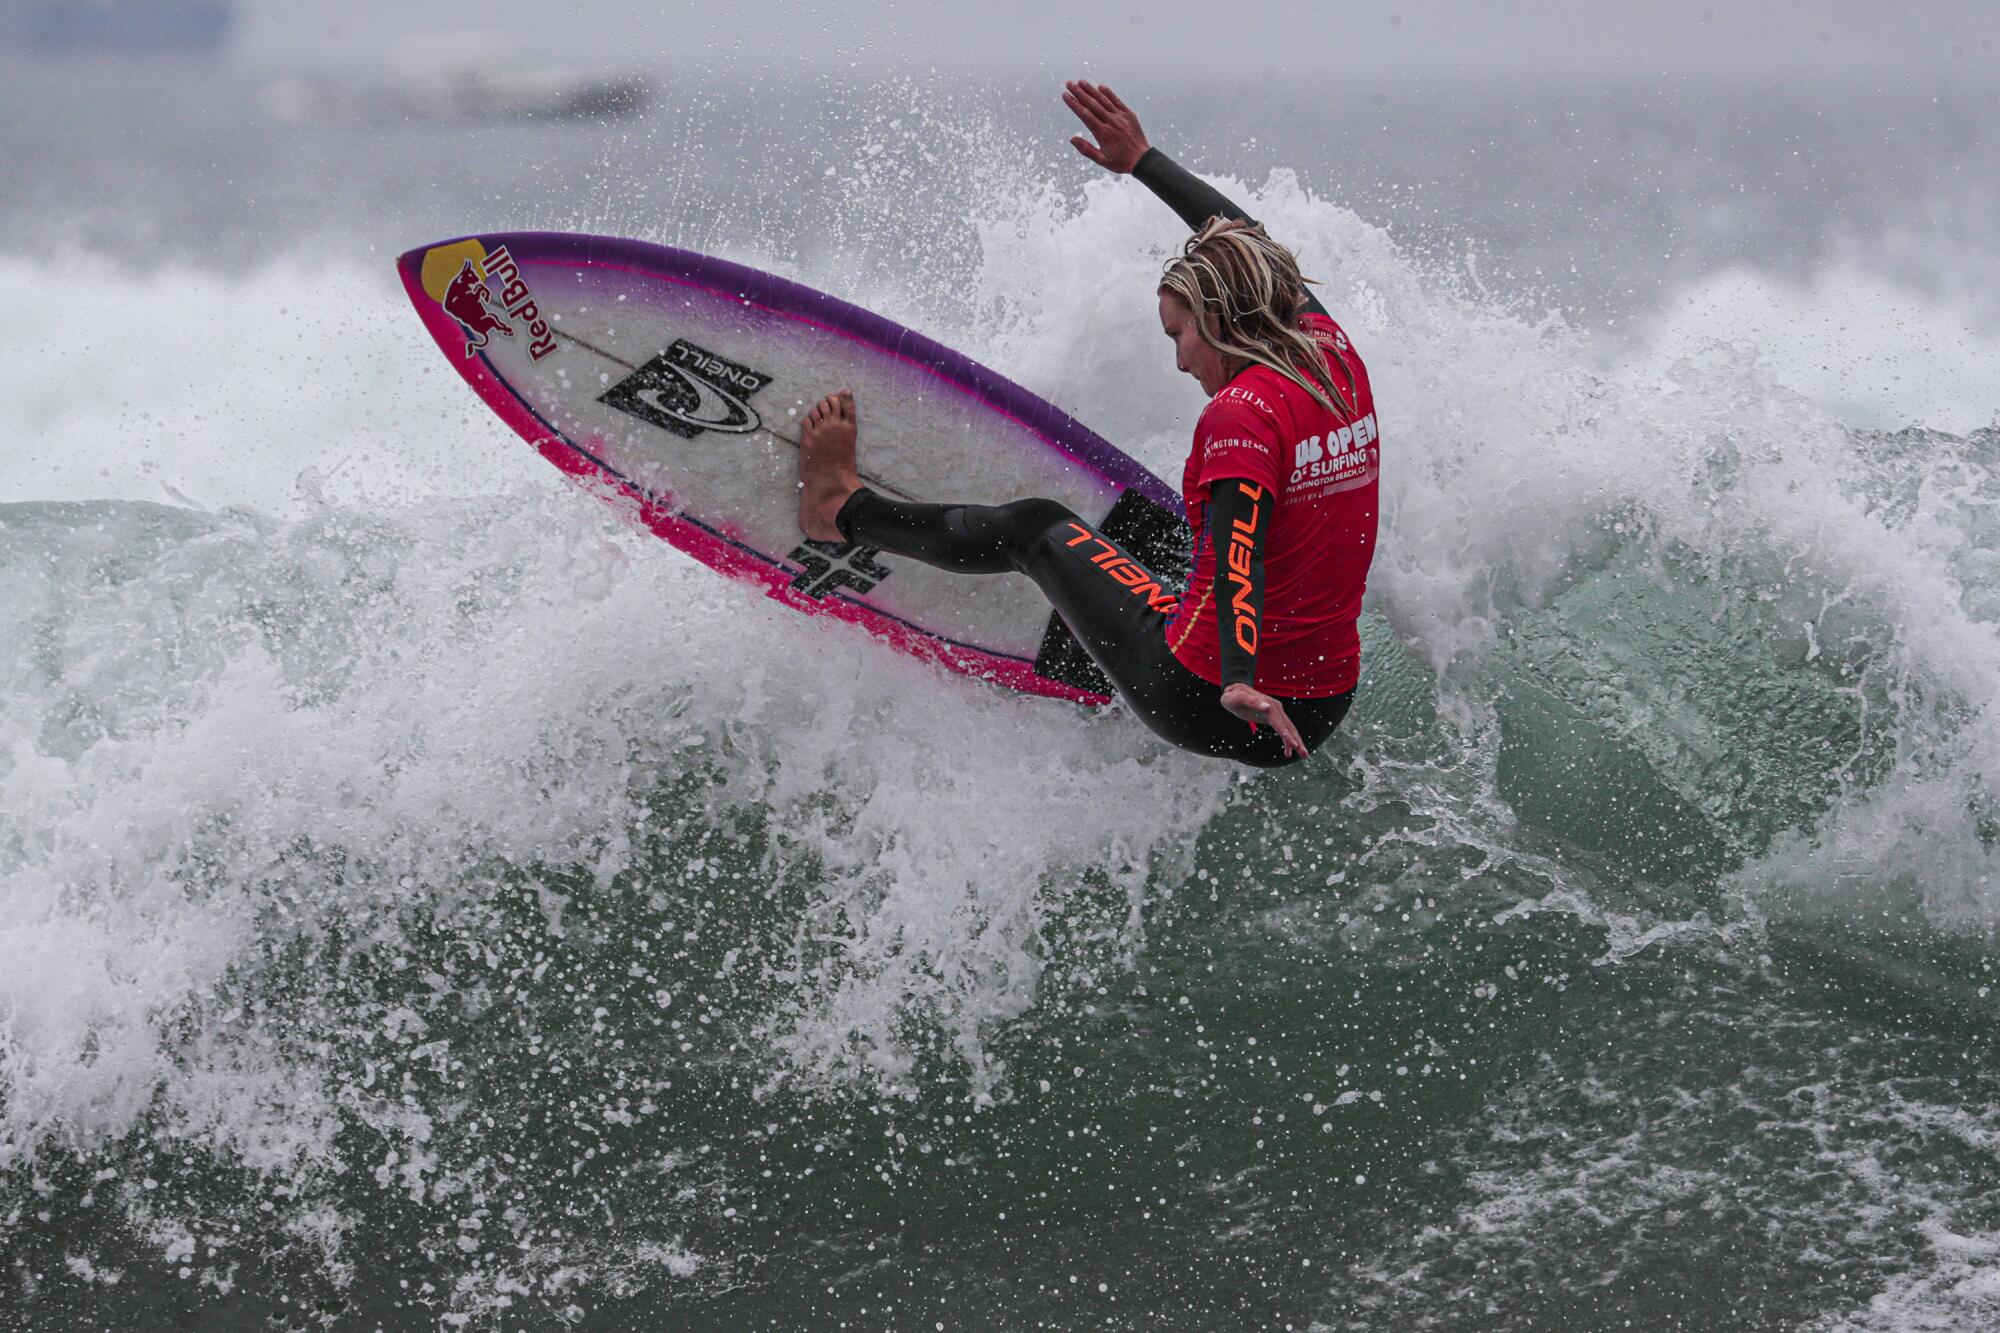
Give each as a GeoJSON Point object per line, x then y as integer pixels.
{"type": "Point", "coordinates": [1337, 454]}
{"type": "Point", "coordinates": [687, 390]}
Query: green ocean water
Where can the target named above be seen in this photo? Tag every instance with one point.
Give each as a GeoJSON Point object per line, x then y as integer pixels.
{"type": "Point", "coordinates": [1329, 1054]}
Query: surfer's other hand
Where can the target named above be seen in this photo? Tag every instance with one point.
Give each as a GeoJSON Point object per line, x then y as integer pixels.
{"type": "Point", "coordinates": [1254, 706]}
{"type": "Point", "coordinates": [1120, 142]}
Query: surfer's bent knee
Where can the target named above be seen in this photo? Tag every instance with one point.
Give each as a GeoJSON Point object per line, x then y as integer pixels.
{"type": "Point", "coordinates": [1027, 520]}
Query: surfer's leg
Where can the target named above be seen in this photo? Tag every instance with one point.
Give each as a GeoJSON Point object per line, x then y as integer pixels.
{"type": "Point", "coordinates": [1118, 612]}
{"type": "Point", "coordinates": [1112, 605]}
{"type": "Point", "coordinates": [1130, 645]}
{"type": "Point", "coordinates": [964, 538]}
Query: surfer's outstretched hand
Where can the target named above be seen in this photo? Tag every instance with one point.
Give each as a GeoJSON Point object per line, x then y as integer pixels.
{"type": "Point", "coordinates": [1254, 706]}
{"type": "Point", "coordinates": [1120, 142]}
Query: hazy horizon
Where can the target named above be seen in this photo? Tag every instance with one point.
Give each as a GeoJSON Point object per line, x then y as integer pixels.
{"type": "Point", "coordinates": [1287, 37]}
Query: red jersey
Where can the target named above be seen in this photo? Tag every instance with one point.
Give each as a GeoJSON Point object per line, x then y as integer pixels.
{"type": "Point", "coordinates": [1322, 469]}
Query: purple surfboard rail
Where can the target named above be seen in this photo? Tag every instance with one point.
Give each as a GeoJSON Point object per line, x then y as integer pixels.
{"type": "Point", "coordinates": [780, 296]}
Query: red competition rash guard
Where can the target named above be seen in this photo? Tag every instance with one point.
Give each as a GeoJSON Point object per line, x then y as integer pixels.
{"type": "Point", "coordinates": [1321, 469]}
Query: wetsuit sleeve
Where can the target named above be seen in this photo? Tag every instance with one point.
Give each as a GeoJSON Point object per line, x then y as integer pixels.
{"type": "Point", "coordinates": [1194, 200]}
{"type": "Point", "coordinates": [1239, 514]}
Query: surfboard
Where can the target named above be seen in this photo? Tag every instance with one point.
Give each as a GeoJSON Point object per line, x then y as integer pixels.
{"type": "Point", "coordinates": [679, 382]}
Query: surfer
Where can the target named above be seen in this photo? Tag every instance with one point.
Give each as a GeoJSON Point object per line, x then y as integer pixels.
{"type": "Point", "coordinates": [1280, 487]}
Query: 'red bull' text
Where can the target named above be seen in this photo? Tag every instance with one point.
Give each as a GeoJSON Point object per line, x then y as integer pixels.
{"type": "Point", "coordinates": [519, 302]}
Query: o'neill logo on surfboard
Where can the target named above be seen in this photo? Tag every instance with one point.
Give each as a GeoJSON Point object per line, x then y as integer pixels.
{"type": "Point", "coordinates": [687, 390]}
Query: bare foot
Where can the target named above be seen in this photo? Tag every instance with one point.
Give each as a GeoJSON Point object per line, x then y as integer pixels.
{"type": "Point", "coordinates": [826, 465]}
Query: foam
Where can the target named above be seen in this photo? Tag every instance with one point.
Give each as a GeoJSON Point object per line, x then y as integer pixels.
{"type": "Point", "coordinates": [1869, 349]}
{"type": "Point", "coordinates": [213, 391]}
{"type": "Point", "coordinates": [1616, 1157]}
{"type": "Point", "coordinates": [417, 722]}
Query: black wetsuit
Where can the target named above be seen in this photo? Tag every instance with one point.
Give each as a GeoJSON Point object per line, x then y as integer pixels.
{"type": "Point", "coordinates": [1120, 624]}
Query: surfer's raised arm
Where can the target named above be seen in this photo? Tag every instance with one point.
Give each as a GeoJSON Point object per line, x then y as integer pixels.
{"type": "Point", "coordinates": [1121, 146]}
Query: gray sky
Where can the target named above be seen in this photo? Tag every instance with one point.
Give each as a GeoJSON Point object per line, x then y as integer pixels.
{"type": "Point", "coordinates": [1370, 41]}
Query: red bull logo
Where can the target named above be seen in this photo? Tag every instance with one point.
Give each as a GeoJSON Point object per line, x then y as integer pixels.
{"type": "Point", "coordinates": [465, 299]}
{"type": "Point", "coordinates": [461, 278]}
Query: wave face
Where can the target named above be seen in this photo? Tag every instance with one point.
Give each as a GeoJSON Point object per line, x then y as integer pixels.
{"type": "Point", "coordinates": [424, 897]}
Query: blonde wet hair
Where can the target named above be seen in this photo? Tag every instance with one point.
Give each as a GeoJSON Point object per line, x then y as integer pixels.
{"type": "Point", "coordinates": [1246, 293]}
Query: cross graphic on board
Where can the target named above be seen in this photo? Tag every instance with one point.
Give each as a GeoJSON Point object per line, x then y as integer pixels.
{"type": "Point", "coordinates": [830, 565]}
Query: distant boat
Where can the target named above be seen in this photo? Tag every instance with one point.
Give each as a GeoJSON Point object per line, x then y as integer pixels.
{"type": "Point", "coordinates": [481, 75]}
{"type": "Point", "coordinates": [137, 27]}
